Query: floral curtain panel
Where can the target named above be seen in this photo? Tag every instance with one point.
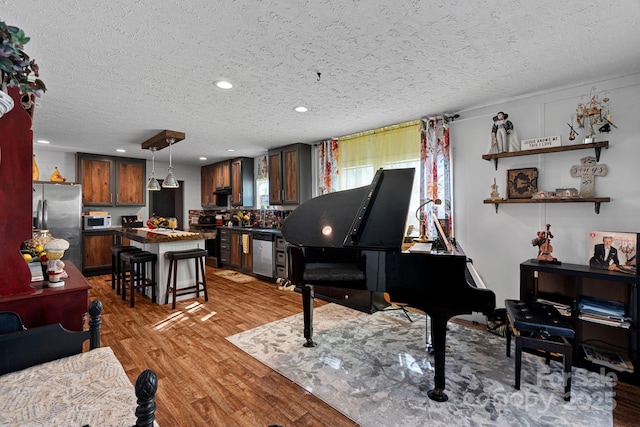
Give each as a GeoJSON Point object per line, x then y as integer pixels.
{"type": "Point", "coordinates": [328, 166]}
{"type": "Point", "coordinates": [435, 173]}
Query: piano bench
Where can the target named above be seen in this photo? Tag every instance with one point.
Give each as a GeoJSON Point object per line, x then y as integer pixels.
{"type": "Point", "coordinates": [541, 328]}
{"type": "Point", "coordinates": [331, 272]}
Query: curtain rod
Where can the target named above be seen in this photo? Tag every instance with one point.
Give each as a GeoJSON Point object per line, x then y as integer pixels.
{"type": "Point", "coordinates": [379, 130]}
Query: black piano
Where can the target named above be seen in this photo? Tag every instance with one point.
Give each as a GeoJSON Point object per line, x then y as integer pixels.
{"type": "Point", "coordinates": [353, 239]}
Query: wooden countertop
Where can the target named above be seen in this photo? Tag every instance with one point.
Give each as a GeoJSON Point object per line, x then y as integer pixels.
{"type": "Point", "coordinates": [144, 235]}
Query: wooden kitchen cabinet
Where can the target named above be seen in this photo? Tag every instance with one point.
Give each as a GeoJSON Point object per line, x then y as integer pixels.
{"type": "Point", "coordinates": [111, 181]}
{"type": "Point", "coordinates": [94, 173]}
{"type": "Point", "coordinates": [224, 234]}
{"type": "Point", "coordinates": [239, 258]}
{"type": "Point", "coordinates": [290, 174]}
{"type": "Point", "coordinates": [96, 250]}
{"type": "Point", "coordinates": [222, 172]}
{"type": "Point", "coordinates": [208, 197]}
{"type": "Point", "coordinates": [281, 257]}
{"type": "Point", "coordinates": [242, 182]}
{"type": "Point", "coordinates": [131, 182]}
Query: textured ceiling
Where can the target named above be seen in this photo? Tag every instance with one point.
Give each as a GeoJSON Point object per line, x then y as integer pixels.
{"type": "Point", "coordinates": [119, 71]}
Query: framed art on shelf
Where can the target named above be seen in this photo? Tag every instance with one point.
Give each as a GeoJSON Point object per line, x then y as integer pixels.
{"type": "Point", "coordinates": [614, 251]}
{"type": "Point", "coordinates": [522, 183]}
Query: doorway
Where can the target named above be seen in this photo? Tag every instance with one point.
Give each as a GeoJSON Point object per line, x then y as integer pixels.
{"type": "Point", "coordinates": [168, 202]}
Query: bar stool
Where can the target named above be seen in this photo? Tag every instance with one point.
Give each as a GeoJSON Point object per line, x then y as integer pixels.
{"type": "Point", "coordinates": [174, 256]}
{"type": "Point", "coordinates": [136, 262]}
{"type": "Point", "coordinates": [116, 278]}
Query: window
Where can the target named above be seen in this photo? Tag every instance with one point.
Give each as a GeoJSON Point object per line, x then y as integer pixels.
{"type": "Point", "coordinates": [262, 193]}
{"type": "Point", "coordinates": [392, 147]}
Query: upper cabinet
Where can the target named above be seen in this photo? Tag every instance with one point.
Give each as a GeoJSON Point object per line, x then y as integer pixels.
{"type": "Point", "coordinates": [111, 181]}
{"type": "Point", "coordinates": [290, 174]}
{"type": "Point", "coordinates": [215, 184]}
{"type": "Point", "coordinates": [242, 182]}
{"type": "Point", "coordinates": [222, 172]}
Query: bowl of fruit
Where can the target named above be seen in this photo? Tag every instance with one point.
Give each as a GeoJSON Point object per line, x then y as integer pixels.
{"type": "Point", "coordinates": [157, 222]}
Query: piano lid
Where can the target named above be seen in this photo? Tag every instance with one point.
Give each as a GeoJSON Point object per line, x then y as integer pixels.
{"type": "Point", "coordinates": [371, 217]}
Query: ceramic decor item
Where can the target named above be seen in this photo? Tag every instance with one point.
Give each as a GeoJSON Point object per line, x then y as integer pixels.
{"type": "Point", "coordinates": [36, 171]}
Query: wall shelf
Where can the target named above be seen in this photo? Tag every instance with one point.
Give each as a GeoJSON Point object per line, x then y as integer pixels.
{"type": "Point", "coordinates": [595, 145]}
{"type": "Point", "coordinates": [595, 200]}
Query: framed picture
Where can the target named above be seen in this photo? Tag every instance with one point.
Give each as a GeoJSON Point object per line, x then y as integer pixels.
{"type": "Point", "coordinates": [612, 250]}
{"type": "Point", "coordinates": [522, 183]}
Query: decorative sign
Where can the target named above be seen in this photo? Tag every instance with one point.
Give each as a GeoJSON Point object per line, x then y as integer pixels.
{"type": "Point", "coordinates": [587, 170]}
{"type": "Point", "coordinates": [545, 142]}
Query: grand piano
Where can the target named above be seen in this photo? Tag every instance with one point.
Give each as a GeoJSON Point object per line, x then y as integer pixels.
{"type": "Point", "coordinates": [353, 239]}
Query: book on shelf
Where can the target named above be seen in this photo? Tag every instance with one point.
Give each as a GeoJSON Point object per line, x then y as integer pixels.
{"type": "Point", "coordinates": [605, 320]}
{"type": "Point", "coordinates": [609, 358]}
{"type": "Point", "coordinates": [564, 309]}
{"type": "Point", "coordinates": [601, 306]}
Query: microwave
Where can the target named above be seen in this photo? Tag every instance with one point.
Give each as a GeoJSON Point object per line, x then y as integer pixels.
{"type": "Point", "coordinates": [94, 222]}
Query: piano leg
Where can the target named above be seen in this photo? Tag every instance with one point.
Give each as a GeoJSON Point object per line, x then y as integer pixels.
{"type": "Point", "coordinates": [439, 337]}
{"type": "Point", "coordinates": [307, 306]}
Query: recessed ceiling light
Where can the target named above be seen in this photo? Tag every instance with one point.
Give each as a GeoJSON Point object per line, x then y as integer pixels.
{"type": "Point", "coordinates": [230, 150]}
{"type": "Point", "coordinates": [42, 141]}
{"type": "Point", "coordinates": [222, 84]}
{"type": "Point", "coordinates": [203, 158]}
{"type": "Point", "coordinates": [301, 109]}
{"type": "Point", "coordinates": [121, 150]}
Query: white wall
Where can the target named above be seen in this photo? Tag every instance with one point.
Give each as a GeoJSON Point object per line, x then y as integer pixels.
{"type": "Point", "coordinates": [498, 243]}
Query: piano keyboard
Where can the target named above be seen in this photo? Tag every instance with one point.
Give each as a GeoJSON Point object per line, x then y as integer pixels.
{"type": "Point", "coordinates": [473, 277]}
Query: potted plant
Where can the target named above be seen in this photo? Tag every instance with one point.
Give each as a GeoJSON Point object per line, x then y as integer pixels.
{"type": "Point", "coordinates": [16, 68]}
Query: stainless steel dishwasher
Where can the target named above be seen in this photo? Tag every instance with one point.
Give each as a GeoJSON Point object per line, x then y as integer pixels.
{"type": "Point", "coordinates": [263, 254]}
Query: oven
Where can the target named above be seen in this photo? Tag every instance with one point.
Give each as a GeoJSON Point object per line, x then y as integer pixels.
{"type": "Point", "coordinates": [208, 223]}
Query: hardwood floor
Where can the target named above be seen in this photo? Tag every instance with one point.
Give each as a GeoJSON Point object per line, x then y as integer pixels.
{"type": "Point", "coordinates": [206, 381]}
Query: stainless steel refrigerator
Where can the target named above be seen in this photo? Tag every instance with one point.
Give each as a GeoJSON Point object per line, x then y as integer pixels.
{"type": "Point", "coordinates": [58, 208]}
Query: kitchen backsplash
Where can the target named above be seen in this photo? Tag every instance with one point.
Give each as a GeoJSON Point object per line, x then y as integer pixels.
{"type": "Point", "coordinates": [266, 218]}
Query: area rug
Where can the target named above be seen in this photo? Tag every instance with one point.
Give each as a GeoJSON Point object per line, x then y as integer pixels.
{"type": "Point", "coordinates": [235, 276]}
{"type": "Point", "coordinates": [376, 371]}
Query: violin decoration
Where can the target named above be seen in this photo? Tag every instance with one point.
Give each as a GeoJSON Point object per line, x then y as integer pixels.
{"type": "Point", "coordinates": [543, 241]}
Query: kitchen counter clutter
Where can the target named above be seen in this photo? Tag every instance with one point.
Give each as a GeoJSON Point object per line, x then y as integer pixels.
{"type": "Point", "coordinates": [147, 235]}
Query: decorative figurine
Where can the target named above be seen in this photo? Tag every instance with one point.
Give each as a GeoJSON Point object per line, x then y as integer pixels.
{"type": "Point", "coordinates": [595, 112]}
{"type": "Point", "coordinates": [503, 135]}
{"type": "Point", "coordinates": [572, 132]}
{"type": "Point", "coordinates": [55, 267]}
{"type": "Point", "coordinates": [56, 176]}
{"type": "Point", "coordinates": [494, 190]}
{"type": "Point", "coordinates": [543, 242]}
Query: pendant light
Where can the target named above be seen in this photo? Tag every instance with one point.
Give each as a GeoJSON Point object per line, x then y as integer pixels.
{"type": "Point", "coordinates": [170, 181]}
{"type": "Point", "coordinates": [152, 184]}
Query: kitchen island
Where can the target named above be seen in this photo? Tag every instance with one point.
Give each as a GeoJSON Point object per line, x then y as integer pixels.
{"type": "Point", "coordinates": [160, 241]}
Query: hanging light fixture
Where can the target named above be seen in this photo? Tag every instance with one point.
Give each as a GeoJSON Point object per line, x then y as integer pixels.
{"type": "Point", "coordinates": [153, 184]}
{"type": "Point", "coordinates": [170, 181]}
